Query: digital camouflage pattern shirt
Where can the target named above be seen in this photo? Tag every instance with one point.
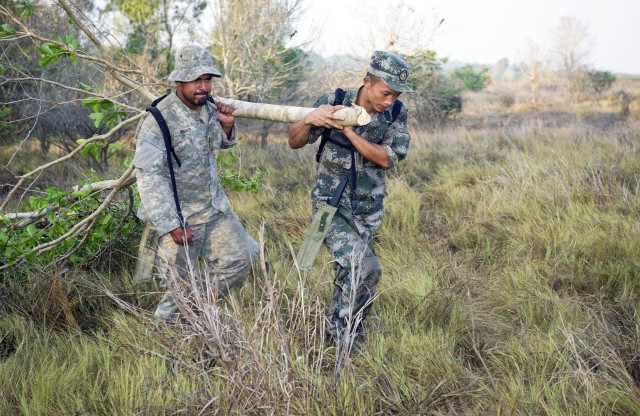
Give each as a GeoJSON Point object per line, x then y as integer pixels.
{"type": "Point", "coordinates": [196, 141]}
{"type": "Point", "coordinates": [362, 204]}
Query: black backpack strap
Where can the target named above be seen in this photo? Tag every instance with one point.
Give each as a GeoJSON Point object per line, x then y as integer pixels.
{"type": "Point", "coordinates": [167, 143]}
{"type": "Point", "coordinates": [157, 100]}
{"type": "Point", "coordinates": [159, 118]}
{"type": "Point", "coordinates": [395, 111]}
{"type": "Point", "coordinates": [326, 133]}
{"type": "Point", "coordinates": [340, 93]}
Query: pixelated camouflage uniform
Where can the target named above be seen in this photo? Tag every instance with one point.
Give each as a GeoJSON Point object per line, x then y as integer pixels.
{"type": "Point", "coordinates": [220, 240]}
{"type": "Point", "coordinates": [359, 212]}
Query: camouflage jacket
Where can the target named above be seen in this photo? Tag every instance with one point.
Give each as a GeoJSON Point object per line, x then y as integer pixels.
{"type": "Point", "coordinates": [362, 203]}
{"type": "Point", "coordinates": [196, 143]}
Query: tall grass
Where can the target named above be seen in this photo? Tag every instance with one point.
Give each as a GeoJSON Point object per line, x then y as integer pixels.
{"type": "Point", "coordinates": [511, 285]}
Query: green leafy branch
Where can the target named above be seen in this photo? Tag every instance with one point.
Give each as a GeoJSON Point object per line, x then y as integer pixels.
{"type": "Point", "coordinates": [63, 211]}
{"type": "Point", "coordinates": [230, 178]}
{"type": "Point", "coordinates": [65, 48]}
{"type": "Point", "coordinates": [28, 7]}
{"type": "Point", "coordinates": [104, 112]}
{"type": "Point", "coordinates": [6, 30]}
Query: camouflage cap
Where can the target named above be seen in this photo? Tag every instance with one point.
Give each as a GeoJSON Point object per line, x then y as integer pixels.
{"type": "Point", "coordinates": [192, 61]}
{"type": "Point", "coordinates": [392, 69]}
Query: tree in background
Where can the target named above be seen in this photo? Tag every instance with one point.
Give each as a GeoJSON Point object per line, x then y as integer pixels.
{"type": "Point", "coordinates": [250, 46]}
{"type": "Point", "coordinates": [503, 70]}
{"type": "Point", "coordinates": [398, 28]}
{"type": "Point", "coordinates": [571, 47]}
{"type": "Point", "coordinates": [472, 80]}
{"type": "Point", "coordinates": [533, 64]}
{"type": "Point", "coordinates": [156, 23]}
{"type": "Point", "coordinates": [40, 107]}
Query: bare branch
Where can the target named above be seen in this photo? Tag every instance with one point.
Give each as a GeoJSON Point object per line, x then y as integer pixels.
{"type": "Point", "coordinates": [111, 69]}
{"type": "Point", "coordinates": [70, 155]}
{"type": "Point", "coordinates": [70, 88]}
{"type": "Point", "coordinates": [27, 136]}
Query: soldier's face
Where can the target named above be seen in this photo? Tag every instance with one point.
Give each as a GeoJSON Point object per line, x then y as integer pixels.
{"type": "Point", "coordinates": [380, 96]}
{"type": "Point", "coordinates": [194, 94]}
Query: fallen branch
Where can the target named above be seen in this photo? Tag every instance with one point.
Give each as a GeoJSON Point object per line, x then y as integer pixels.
{"type": "Point", "coordinates": [34, 216]}
{"type": "Point", "coordinates": [83, 225]}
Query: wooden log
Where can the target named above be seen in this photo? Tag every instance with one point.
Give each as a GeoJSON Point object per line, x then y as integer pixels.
{"type": "Point", "coordinates": [353, 116]}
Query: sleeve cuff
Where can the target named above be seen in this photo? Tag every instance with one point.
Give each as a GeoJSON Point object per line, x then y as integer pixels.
{"type": "Point", "coordinates": [393, 157]}
{"type": "Point", "coordinates": [232, 140]}
{"type": "Point", "coordinates": [166, 227]}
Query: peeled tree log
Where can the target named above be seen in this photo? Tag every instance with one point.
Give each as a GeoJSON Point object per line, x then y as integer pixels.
{"type": "Point", "coordinates": [353, 116]}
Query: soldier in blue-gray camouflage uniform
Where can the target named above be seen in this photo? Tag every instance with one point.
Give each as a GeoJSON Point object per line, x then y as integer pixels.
{"type": "Point", "coordinates": [363, 154]}
{"type": "Point", "coordinates": [213, 237]}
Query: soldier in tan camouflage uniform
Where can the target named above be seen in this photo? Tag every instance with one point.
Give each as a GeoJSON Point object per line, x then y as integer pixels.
{"type": "Point", "coordinates": [213, 235]}
{"type": "Point", "coordinates": [363, 154]}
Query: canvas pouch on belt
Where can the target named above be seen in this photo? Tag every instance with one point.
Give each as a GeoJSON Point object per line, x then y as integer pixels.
{"type": "Point", "coordinates": [146, 255]}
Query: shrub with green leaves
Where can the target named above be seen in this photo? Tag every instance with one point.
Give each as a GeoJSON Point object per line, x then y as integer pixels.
{"type": "Point", "coordinates": [600, 81]}
{"type": "Point", "coordinates": [472, 80]}
{"type": "Point", "coordinates": [436, 98]}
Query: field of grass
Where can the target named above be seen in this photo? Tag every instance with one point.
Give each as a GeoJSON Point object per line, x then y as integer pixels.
{"type": "Point", "coordinates": [511, 285]}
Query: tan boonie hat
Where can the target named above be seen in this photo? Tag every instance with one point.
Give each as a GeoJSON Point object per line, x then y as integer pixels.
{"type": "Point", "coordinates": [192, 61]}
{"type": "Point", "coordinates": [392, 69]}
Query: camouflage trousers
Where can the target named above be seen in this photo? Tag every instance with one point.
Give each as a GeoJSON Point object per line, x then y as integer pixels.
{"type": "Point", "coordinates": [222, 251]}
{"type": "Point", "coordinates": [357, 275]}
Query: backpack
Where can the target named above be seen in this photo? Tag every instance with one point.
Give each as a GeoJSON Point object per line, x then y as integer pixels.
{"type": "Point", "coordinates": [326, 133]}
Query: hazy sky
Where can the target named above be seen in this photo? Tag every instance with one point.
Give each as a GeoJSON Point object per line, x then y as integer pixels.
{"type": "Point", "coordinates": [484, 31]}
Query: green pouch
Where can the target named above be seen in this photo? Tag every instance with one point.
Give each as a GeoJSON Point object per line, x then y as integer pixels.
{"type": "Point", "coordinates": [318, 229]}
{"type": "Point", "coordinates": [315, 236]}
{"type": "Point", "coordinates": [146, 255]}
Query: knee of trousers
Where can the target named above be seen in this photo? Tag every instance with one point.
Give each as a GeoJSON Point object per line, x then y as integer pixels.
{"type": "Point", "coordinates": [232, 268]}
{"type": "Point", "coordinates": [371, 270]}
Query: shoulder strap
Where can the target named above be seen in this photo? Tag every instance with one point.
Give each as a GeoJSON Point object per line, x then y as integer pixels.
{"type": "Point", "coordinates": [339, 98]}
{"type": "Point", "coordinates": [163, 126]}
{"type": "Point", "coordinates": [395, 111]}
{"type": "Point", "coordinates": [167, 143]}
{"type": "Point", "coordinates": [157, 100]}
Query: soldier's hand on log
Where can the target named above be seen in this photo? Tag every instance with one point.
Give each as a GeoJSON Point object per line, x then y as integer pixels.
{"type": "Point", "coordinates": [323, 116]}
{"type": "Point", "coordinates": [224, 114]}
{"type": "Point", "coordinates": [180, 236]}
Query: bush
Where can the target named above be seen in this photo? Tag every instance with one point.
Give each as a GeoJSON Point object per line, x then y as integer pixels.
{"type": "Point", "coordinates": [600, 81]}
{"type": "Point", "coordinates": [436, 98]}
{"type": "Point", "coordinates": [472, 80]}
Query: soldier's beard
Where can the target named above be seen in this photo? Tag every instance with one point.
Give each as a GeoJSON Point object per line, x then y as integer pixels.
{"type": "Point", "coordinates": [200, 97]}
